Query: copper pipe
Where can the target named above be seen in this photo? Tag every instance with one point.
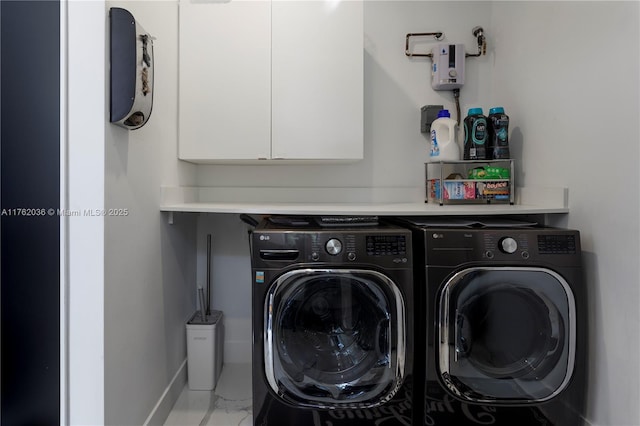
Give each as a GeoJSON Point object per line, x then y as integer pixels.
{"type": "Point", "coordinates": [436, 35]}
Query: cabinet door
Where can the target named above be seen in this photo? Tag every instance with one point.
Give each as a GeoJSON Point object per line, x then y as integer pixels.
{"type": "Point", "coordinates": [225, 80]}
{"type": "Point", "coordinates": [317, 80]}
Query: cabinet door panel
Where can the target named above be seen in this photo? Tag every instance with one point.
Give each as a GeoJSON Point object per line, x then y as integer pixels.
{"type": "Point", "coordinates": [225, 80]}
{"type": "Point", "coordinates": [317, 80]}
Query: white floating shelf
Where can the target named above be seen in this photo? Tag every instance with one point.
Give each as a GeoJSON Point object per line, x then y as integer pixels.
{"type": "Point", "coordinates": [349, 201]}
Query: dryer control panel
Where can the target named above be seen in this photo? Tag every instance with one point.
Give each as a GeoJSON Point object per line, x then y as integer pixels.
{"type": "Point", "coordinates": [510, 243]}
{"type": "Point", "coordinates": [447, 247]}
{"type": "Point", "coordinates": [557, 244]}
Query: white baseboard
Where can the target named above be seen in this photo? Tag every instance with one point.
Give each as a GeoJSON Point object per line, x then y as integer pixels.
{"type": "Point", "coordinates": [168, 398]}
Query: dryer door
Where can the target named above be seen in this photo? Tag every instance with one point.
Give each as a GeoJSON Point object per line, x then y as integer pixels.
{"type": "Point", "coordinates": [507, 335]}
{"type": "Point", "coordinates": [334, 338]}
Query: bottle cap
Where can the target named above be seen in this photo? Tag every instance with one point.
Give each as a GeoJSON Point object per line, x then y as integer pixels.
{"type": "Point", "coordinates": [444, 113]}
{"type": "Point", "coordinates": [496, 110]}
{"type": "Point", "coordinates": [475, 111]}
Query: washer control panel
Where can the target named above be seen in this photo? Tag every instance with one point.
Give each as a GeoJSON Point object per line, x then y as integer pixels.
{"type": "Point", "coordinates": [381, 245]}
{"type": "Point", "coordinates": [333, 246]}
{"type": "Point", "coordinates": [384, 246]}
{"type": "Point", "coordinates": [380, 248]}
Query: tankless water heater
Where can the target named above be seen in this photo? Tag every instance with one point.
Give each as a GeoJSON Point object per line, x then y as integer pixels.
{"type": "Point", "coordinates": [447, 70]}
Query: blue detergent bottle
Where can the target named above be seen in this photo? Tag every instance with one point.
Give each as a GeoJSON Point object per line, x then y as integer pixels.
{"type": "Point", "coordinates": [498, 133]}
{"type": "Point", "coordinates": [475, 135]}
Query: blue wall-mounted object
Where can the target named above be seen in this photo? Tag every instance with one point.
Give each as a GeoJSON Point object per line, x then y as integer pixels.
{"type": "Point", "coordinates": [131, 57]}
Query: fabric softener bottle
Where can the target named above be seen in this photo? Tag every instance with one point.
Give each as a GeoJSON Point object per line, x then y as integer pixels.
{"type": "Point", "coordinates": [475, 136]}
{"type": "Point", "coordinates": [444, 144]}
{"type": "Point", "coordinates": [498, 133]}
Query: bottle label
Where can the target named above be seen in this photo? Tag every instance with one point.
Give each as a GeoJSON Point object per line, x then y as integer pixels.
{"type": "Point", "coordinates": [479, 132]}
{"type": "Point", "coordinates": [501, 135]}
{"type": "Point", "coordinates": [434, 150]}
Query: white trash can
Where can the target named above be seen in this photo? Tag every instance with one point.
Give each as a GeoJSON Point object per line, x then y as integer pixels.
{"type": "Point", "coordinates": [205, 340]}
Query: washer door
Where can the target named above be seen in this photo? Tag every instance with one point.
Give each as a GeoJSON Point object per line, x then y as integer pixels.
{"type": "Point", "coordinates": [507, 335]}
{"type": "Point", "coordinates": [334, 338]}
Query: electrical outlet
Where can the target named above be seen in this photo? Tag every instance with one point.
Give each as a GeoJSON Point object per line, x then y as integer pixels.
{"type": "Point", "coordinates": [428, 114]}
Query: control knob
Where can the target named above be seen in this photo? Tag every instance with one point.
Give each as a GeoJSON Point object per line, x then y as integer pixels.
{"type": "Point", "coordinates": [333, 246]}
{"type": "Point", "coordinates": [508, 245]}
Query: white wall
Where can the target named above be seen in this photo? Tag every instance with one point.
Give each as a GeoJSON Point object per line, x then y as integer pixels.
{"type": "Point", "coordinates": [568, 75]}
{"type": "Point", "coordinates": [149, 290]}
{"type": "Point", "coordinates": [230, 279]}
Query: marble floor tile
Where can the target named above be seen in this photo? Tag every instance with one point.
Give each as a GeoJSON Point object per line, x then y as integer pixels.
{"type": "Point", "coordinates": [228, 405]}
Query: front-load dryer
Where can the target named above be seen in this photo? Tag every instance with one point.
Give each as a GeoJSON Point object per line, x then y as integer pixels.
{"type": "Point", "coordinates": [332, 325]}
{"type": "Point", "coordinates": [505, 324]}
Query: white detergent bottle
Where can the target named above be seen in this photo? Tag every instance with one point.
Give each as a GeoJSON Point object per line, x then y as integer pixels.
{"type": "Point", "coordinates": [444, 144]}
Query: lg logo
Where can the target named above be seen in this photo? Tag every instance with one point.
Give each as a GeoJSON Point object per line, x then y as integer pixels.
{"type": "Point", "coordinates": [264, 238]}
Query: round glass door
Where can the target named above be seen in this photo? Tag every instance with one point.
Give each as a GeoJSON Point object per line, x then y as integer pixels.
{"type": "Point", "coordinates": [506, 334]}
{"type": "Point", "coordinates": [334, 338]}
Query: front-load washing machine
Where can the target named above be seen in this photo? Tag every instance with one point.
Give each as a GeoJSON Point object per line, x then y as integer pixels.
{"type": "Point", "coordinates": [332, 324]}
{"type": "Point", "coordinates": [505, 321]}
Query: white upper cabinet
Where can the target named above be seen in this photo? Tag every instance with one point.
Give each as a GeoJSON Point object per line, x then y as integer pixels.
{"type": "Point", "coordinates": [279, 80]}
{"type": "Point", "coordinates": [225, 80]}
{"type": "Point", "coordinates": [317, 80]}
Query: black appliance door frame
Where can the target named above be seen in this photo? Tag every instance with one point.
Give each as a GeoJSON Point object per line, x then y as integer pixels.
{"type": "Point", "coordinates": [295, 281]}
{"type": "Point", "coordinates": [30, 319]}
{"type": "Point", "coordinates": [449, 330]}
